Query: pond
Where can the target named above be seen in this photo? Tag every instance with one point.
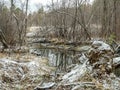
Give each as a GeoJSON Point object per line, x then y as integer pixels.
{"type": "Point", "coordinates": [58, 58]}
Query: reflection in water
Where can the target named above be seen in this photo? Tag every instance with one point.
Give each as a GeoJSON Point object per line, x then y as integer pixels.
{"type": "Point", "coordinates": [58, 58]}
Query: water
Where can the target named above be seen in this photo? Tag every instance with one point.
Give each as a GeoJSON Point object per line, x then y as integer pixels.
{"type": "Point", "coordinates": [58, 58]}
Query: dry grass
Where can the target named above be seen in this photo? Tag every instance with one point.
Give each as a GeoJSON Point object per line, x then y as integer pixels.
{"type": "Point", "coordinates": [3, 55]}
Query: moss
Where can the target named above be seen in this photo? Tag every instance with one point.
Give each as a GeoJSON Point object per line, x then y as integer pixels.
{"type": "Point", "coordinates": [111, 38]}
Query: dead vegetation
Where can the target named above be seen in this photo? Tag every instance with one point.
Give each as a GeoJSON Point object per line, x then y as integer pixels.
{"type": "Point", "coordinates": [96, 73]}
{"type": "Point", "coordinates": [89, 29]}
